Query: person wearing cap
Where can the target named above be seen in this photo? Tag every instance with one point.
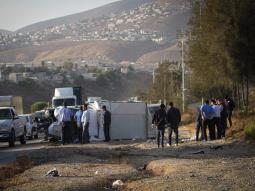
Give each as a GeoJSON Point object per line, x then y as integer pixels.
{"type": "Point", "coordinates": [161, 122]}
{"type": "Point", "coordinates": [173, 119]}
{"type": "Point", "coordinates": [65, 115]}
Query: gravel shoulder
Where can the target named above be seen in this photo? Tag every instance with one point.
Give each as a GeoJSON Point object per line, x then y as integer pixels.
{"type": "Point", "coordinates": [217, 165]}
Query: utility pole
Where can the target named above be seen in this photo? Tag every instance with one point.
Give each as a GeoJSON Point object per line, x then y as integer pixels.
{"type": "Point", "coordinates": [183, 75]}
{"type": "Point", "coordinates": [165, 89]}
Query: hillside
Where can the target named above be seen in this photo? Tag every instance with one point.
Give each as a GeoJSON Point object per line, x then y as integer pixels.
{"type": "Point", "coordinates": [5, 32]}
{"type": "Point", "coordinates": [104, 11]}
{"type": "Point", "coordinates": [172, 53]}
{"type": "Point", "coordinates": [121, 31]}
{"type": "Point", "coordinates": [110, 51]}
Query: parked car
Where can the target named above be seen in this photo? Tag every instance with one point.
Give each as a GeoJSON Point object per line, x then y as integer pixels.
{"type": "Point", "coordinates": [31, 128]}
{"type": "Point", "coordinates": [11, 126]}
{"type": "Point", "coordinates": [41, 120]}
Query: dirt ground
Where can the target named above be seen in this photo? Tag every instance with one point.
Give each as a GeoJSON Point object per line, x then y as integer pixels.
{"type": "Point", "coordinates": [214, 165]}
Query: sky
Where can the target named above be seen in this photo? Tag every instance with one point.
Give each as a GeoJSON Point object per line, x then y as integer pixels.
{"type": "Point", "coordinates": [15, 14]}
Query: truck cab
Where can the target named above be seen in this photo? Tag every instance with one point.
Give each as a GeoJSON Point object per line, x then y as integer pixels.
{"type": "Point", "coordinates": [58, 101]}
{"type": "Point", "coordinates": [68, 95]}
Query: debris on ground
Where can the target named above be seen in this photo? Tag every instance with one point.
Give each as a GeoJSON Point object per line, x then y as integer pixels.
{"type": "Point", "coordinates": [52, 173]}
{"type": "Point", "coordinates": [198, 152]}
{"type": "Point", "coordinates": [142, 167]}
{"type": "Point", "coordinates": [117, 183]}
{"type": "Point", "coordinates": [216, 147]}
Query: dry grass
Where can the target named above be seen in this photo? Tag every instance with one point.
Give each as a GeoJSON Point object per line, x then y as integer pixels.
{"type": "Point", "coordinates": [237, 131]}
{"type": "Point", "coordinates": [10, 170]}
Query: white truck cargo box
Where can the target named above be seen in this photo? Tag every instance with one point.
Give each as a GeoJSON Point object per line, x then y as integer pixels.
{"type": "Point", "coordinates": [129, 120]}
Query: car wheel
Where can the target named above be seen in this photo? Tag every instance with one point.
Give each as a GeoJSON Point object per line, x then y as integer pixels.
{"type": "Point", "coordinates": [22, 139]}
{"type": "Point", "coordinates": [12, 139]}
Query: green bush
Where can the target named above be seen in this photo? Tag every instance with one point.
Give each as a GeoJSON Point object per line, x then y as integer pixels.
{"type": "Point", "coordinates": [37, 106]}
{"type": "Point", "coordinates": [250, 131]}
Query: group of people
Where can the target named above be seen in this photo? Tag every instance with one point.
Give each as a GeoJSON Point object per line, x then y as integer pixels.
{"type": "Point", "coordinates": [82, 120]}
{"type": "Point", "coordinates": [214, 115]}
{"type": "Point", "coordinates": [167, 118]}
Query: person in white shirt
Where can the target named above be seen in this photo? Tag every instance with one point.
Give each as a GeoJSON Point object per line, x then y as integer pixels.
{"type": "Point", "coordinates": [77, 117]}
{"type": "Point", "coordinates": [216, 117]}
{"type": "Point", "coordinates": [85, 124]}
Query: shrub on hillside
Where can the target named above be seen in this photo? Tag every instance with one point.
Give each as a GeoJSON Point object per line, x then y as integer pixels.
{"type": "Point", "coordinates": [37, 106]}
{"type": "Point", "coordinates": [250, 131]}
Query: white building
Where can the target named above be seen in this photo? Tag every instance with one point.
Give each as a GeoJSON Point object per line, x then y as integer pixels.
{"type": "Point", "coordinates": [89, 76]}
{"type": "Point", "coordinates": [1, 76]}
{"type": "Point", "coordinates": [124, 70]}
{"type": "Point", "coordinates": [16, 77]}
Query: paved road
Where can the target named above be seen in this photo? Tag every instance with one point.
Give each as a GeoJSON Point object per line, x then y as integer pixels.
{"type": "Point", "coordinates": [8, 154]}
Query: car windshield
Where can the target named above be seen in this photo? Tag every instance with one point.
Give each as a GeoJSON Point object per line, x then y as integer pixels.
{"type": "Point", "coordinates": [39, 114]}
{"type": "Point", "coordinates": [59, 102]}
{"type": "Point", "coordinates": [5, 114]}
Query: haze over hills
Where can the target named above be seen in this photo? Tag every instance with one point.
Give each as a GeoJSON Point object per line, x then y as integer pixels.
{"type": "Point", "coordinates": [128, 30]}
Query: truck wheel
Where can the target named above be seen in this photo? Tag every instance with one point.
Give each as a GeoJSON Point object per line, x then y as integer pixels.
{"type": "Point", "coordinates": [22, 139]}
{"type": "Point", "coordinates": [36, 136]}
{"type": "Point", "coordinates": [12, 139]}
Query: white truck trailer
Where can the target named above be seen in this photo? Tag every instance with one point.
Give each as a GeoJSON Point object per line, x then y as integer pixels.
{"type": "Point", "coordinates": [12, 101]}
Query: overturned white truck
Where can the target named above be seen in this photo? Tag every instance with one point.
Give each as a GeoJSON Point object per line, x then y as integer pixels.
{"type": "Point", "coordinates": [130, 120]}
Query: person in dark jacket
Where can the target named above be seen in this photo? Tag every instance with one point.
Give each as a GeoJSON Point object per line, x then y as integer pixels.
{"type": "Point", "coordinates": [107, 124]}
{"type": "Point", "coordinates": [199, 125]}
{"type": "Point", "coordinates": [173, 119]}
{"type": "Point", "coordinates": [223, 118]}
{"type": "Point", "coordinates": [230, 107]}
{"type": "Point", "coordinates": [161, 122]}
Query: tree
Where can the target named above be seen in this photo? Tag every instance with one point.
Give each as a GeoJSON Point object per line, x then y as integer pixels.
{"type": "Point", "coordinates": [167, 83]}
{"type": "Point", "coordinates": [43, 64]}
{"type": "Point", "coordinates": [221, 48]}
{"type": "Point", "coordinates": [37, 106]}
{"type": "Point", "coordinates": [68, 65]}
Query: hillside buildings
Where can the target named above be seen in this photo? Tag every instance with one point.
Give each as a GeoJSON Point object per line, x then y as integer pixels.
{"type": "Point", "coordinates": [133, 25]}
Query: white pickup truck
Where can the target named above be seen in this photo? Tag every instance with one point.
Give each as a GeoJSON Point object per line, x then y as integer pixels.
{"type": "Point", "coordinates": [11, 127]}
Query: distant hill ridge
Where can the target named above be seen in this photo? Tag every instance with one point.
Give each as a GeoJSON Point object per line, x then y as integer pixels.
{"type": "Point", "coordinates": [2, 31]}
{"type": "Point", "coordinates": [143, 35]}
{"type": "Point", "coordinates": [106, 10]}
